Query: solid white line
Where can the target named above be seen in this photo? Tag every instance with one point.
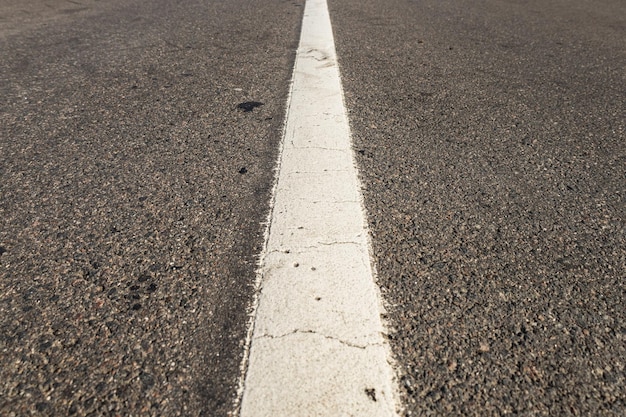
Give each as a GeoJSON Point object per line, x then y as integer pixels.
{"type": "Point", "coordinates": [317, 345]}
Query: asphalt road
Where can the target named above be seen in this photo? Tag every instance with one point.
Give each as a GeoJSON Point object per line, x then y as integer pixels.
{"type": "Point", "coordinates": [132, 192]}
{"type": "Point", "coordinates": [135, 180]}
{"type": "Point", "coordinates": [491, 140]}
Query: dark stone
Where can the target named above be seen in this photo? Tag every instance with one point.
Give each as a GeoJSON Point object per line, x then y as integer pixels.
{"type": "Point", "coordinates": [248, 106]}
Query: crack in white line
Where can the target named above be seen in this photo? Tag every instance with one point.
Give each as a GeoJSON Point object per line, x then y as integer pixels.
{"type": "Point", "coordinates": [306, 249]}
{"type": "Point", "coordinates": [313, 332]}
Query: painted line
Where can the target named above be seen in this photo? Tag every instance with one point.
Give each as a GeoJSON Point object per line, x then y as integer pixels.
{"type": "Point", "coordinates": [317, 345]}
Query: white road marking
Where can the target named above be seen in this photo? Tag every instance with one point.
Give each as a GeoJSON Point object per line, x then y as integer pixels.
{"type": "Point", "coordinates": [317, 345]}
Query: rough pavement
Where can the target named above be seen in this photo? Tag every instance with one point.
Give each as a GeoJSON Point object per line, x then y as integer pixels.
{"type": "Point", "coordinates": [133, 188]}
{"type": "Point", "coordinates": [491, 140]}
{"type": "Point", "coordinates": [133, 180]}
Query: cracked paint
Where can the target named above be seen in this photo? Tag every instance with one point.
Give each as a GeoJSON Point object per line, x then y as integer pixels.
{"type": "Point", "coordinates": [317, 330]}
{"type": "Point", "coordinates": [314, 333]}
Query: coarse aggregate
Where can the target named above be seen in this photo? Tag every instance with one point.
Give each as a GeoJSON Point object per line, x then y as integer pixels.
{"type": "Point", "coordinates": [133, 191]}
{"type": "Point", "coordinates": [490, 137]}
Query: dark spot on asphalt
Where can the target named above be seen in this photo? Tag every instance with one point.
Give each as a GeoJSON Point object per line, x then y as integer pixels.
{"type": "Point", "coordinates": [243, 170]}
{"type": "Point", "coordinates": [134, 287]}
{"type": "Point", "coordinates": [112, 326]}
{"type": "Point", "coordinates": [3, 250]}
{"type": "Point", "coordinates": [248, 106]}
{"type": "Point", "coordinates": [136, 306]}
{"type": "Point", "coordinates": [147, 380]}
{"type": "Point", "coordinates": [371, 392]}
{"type": "Point", "coordinates": [134, 87]}
{"type": "Point", "coordinates": [41, 406]}
{"type": "Point", "coordinates": [100, 386]}
{"type": "Point", "coordinates": [72, 410]}
{"type": "Point", "coordinates": [361, 152]}
{"type": "Point", "coordinates": [143, 277]}
{"type": "Point", "coordinates": [152, 287]}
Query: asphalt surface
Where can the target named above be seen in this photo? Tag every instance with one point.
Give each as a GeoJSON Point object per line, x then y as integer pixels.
{"type": "Point", "coordinates": [491, 140]}
{"type": "Point", "coordinates": [137, 146]}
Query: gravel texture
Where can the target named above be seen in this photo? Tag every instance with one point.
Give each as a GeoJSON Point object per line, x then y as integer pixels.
{"type": "Point", "coordinates": [133, 188]}
{"type": "Point", "coordinates": [491, 141]}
